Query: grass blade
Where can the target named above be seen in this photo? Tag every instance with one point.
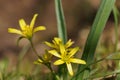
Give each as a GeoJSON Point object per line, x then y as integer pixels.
{"type": "Point", "coordinates": [103, 13]}
{"type": "Point", "coordinates": [62, 33]}
{"type": "Point", "coordinates": [60, 21]}
{"type": "Point", "coordinates": [116, 15]}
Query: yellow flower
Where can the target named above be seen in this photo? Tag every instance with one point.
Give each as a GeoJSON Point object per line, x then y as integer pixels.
{"type": "Point", "coordinates": [45, 59]}
{"type": "Point", "coordinates": [56, 43]}
{"type": "Point", "coordinates": [66, 56]}
{"type": "Point", "coordinates": [26, 31]}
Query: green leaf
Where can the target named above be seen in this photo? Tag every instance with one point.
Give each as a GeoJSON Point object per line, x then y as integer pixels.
{"type": "Point", "coordinates": [62, 33]}
{"type": "Point", "coordinates": [60, 21]}
{"type": "Point", "coordinates": [116, 14]}
{"type": "Point", "coordinates": [101, 18]}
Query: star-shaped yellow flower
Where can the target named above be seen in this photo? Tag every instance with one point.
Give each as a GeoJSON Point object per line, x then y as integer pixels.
{"type": "Point", "coordinates": [45, 59]}
{"type": "Point", "coordinates": [66, 56]}
{"type": "Point", "coordinates": [27, 31]}
{"type": "Point", "coordinates": [56, 43]}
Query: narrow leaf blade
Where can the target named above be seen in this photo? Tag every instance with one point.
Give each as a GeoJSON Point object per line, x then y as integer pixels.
{"type": "Point", "coordinates": [103, 13]}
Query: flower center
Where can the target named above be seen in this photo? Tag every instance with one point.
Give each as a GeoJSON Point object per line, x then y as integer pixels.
{"type": "Point", "coordinates": [27, 32]}
{"type": "Point", "coordinates": [65, 57]}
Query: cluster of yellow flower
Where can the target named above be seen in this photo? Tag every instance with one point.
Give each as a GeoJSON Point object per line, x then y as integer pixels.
{"type": "Point", "coordinates": [63, 52]}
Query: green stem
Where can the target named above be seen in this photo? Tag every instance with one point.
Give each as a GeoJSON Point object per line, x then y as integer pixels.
{"type": "Point", "coordinates": [22, 55]}
{"type": "Point", "coordinates": [46, 64]}
{"type": "Point", "coordinates": [65, 76]}
{"type": "Point", "coordinates": [55, 77]}
{"type": "Point", "coordinates": [35, 50]}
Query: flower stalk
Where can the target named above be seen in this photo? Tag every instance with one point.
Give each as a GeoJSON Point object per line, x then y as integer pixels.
{"type": "Point", "coordinates": [34, 50]}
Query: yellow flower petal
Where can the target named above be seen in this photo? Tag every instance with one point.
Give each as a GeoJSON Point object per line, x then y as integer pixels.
{"type": "Point", "coordinates": [47, 56]}
{"type": "Point", "coordinates": [68, 44]}
{"type": "Point", "coordinates": [33, 21]}
{"type": "Point", "coordinates": [39, 28]}
{"type": "Point", "coordinates": [57, 40]}
{"type": "Point", "coordinates": [22, 24]}
{"type": "Point", "coordinates": [38, 61]}
{"type": "Point", "coordinates": [49, 44]}
{"type": "Point", "coordinates": [55, 53]}
{"type": "Point", "coordinates": [12, 30]}
{"type": "Point", "coordinates": [58, 62]}
{"type": "Point", "coordinates": [73, 51]}
{"type": "Point", "coordinates": [62, 49]}
{"type": "Point", "coordinates": [69, 67]}
{"type": "Point", "coordinates": [79, 61]}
